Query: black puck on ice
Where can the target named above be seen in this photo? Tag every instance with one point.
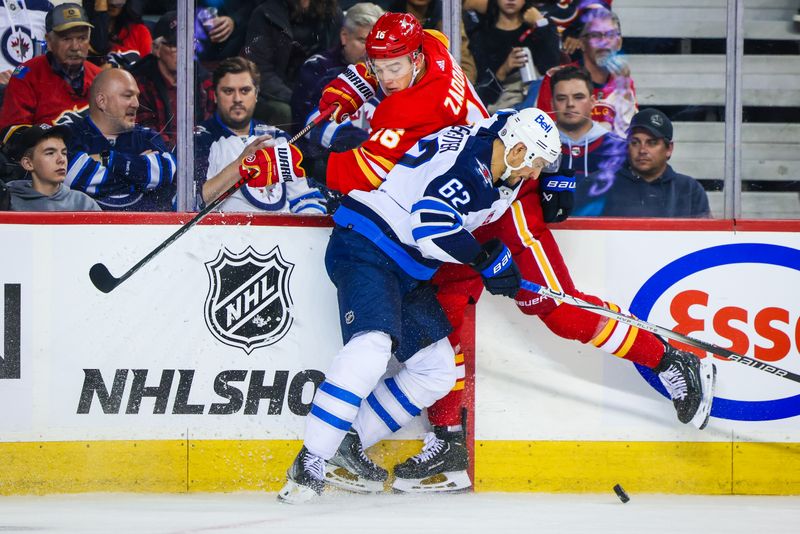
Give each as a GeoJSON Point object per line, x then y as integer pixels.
{"type": "Point", "coordinates": [621, 493]}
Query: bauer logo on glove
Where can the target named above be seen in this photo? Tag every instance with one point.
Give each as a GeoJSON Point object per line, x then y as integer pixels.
{"type": "Point", "coordinates": [272, 165]}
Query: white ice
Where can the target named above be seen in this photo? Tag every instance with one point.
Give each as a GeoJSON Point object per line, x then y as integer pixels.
{"type": "Point", "coordinates": [491, 513]}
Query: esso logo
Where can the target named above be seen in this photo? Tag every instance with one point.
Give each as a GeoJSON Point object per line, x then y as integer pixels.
{"type": "Point", "coordinates": [742, 297]}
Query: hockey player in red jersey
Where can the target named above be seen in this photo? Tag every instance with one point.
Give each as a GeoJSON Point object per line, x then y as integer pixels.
{"type": "Point", "coordinates": [421, 89]}
{"type": "Point", "coordinates": [425, 91]}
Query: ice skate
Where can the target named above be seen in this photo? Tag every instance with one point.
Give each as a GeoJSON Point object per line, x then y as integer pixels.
{"type": "Point", "coordinates": [352, 470]}
{"type": "Point", "coordinates": [440, 467]}
{"type": "Point", "coordinates": [690, 382]}
{"type": "Point", "coordinates": [305, 479]}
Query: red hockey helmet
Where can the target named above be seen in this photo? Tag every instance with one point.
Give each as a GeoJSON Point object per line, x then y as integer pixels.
{"type": "Point", "coordinates": [394, 35]}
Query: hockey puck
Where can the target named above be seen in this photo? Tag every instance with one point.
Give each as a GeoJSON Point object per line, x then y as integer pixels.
{"type": "Point", "coordinates": [621, 494]}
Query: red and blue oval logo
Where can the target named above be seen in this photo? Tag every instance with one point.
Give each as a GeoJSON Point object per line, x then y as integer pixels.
{"type": "Point", "coordinates": [743, 297]}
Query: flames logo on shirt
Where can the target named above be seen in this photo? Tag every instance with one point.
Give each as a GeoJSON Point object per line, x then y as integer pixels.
{"type": "Point", "coordinates": [248, 303]}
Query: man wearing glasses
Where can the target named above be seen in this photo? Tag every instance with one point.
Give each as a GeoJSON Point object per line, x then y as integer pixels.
{"type": "Point", "coordinates": [601, 40]}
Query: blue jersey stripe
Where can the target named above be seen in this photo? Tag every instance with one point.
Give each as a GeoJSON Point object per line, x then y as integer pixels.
{"type": "Point", "coordinates": [341, 394]}
{"type": "Point", "coordinates": [429, 204]}
{"type": "Point", "coordinates": [407, 258]}
{"type": "Point", "coordinates": [329, 418]}
{"type": "Point", "coordinates": [382, 413]}
{"type": "Point", "coordinates": [401, 397]}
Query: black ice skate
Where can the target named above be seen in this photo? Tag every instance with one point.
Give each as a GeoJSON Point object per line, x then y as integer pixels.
{"type": "Point", "coordinates": [351, 469]}
{"type": "Point", "coordinates": [305, 479]}
{"type": "Point", "coordinates": [690, 382]}
{"type": "Point", "coordinates": [440, 467]}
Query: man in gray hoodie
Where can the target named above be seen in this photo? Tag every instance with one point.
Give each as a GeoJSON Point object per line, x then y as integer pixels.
{"type": "Point", "coordinates": [42, 151]}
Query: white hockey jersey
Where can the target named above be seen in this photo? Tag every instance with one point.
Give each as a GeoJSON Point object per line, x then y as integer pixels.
{"type": "Point", "coordinates": [432, 200]}
{"type": "Point", "coordinates": [222, 147]}
{"type": "Point", "coordinates": [21, 30]}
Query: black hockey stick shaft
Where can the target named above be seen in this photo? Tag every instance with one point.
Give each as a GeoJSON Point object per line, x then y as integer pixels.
{"type": "Point", "coordinates": [659, 330]}
{"type": "Point", "coordinates": [102, 278]}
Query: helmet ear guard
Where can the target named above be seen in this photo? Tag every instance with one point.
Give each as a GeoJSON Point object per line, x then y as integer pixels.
{"type": "Point", "coordinates": [537, 131]}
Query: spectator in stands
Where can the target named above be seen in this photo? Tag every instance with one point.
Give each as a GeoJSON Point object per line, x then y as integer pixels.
{"type": "Point", "coordinates": [53, 88]}
{"type": "Point", "coordinates": [315, 74]}
{"type": "Point", "coordinates": [223, 35]}
{"type": "Point", "coordinates": [567, 16]}
{"type": "Point", "coordinates": [119, 37]}
{"type": "Point", "coordinates": [281, 35]}
{"type": "Point", "coordinates": [601, 40]}
{"type": "Point", "coordinates": [231, 135]}
{"type": "Point", "coordinates": [648, 186]}
{"type": "Point", "coordinates": [429, 14]}
{"type": "Point", "coordinates": [157, 78]}
{"type": "Point", "coordinates": [499, 47]}
{"type": "Point", "coordinates": [121, 165]}
{"type": "Point", "coordinates": [42, 151]}
{"type": "Point", "coordinates": [21, 35]}
{"type": "Point", "coordinates": [589, 151]}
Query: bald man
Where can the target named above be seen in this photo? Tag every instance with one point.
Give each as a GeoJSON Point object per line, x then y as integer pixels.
{"type": "Point", "coordinates": [124, 167]}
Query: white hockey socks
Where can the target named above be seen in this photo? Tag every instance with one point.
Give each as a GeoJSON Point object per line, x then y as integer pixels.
{"type": "Point", "coordinates": [353, 374]}
{"type": "Point", "coordinates": [395, 401]}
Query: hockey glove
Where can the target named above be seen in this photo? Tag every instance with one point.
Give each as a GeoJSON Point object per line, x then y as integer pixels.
{"type": "Point", "coordinates": [348, 91]}
{"type": "Point", "coordinates": [272, 165]}
{"type": "Point", "coordinates": [557, 195]}
{"type": "Point", "coordinates": [497, 268]}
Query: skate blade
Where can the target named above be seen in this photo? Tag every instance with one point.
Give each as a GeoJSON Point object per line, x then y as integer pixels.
{"type": "Point", "coordinates": [708, 374]}
{"type": "Point", "coordinates": [341, 478]}
{"type": "Point", "coordinates": [448, 482]}
{"type": "Point", "coordinates": [294, 493]}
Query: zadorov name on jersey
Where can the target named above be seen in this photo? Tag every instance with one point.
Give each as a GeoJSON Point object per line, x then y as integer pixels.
{"type": "Point", "coordinates": [237, 389]}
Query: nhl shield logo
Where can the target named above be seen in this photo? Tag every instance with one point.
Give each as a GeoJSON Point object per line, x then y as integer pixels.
{"type": "Point", "coordinates": [248, 303]}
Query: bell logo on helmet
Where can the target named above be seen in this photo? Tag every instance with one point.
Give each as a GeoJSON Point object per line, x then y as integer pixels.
{"type": "Point", "coordinates": [540, 120]}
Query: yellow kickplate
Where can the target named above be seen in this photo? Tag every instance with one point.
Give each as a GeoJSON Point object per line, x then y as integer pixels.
{"type": "Point", "coordinates": [68, 467]}
{"type": "Point", "coordinates": [580, 466]}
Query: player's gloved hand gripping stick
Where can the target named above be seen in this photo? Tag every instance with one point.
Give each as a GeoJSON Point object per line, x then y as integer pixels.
{"type": "Point", "coordinates": [102, 278]}
{"type": "Point", "coordinates": [658, 330]}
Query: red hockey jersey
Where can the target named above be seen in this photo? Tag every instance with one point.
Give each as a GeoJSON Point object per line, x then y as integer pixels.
{"type": "Point", "coordinates": [442, 97]}
{"type": "Point", "coordinates": [37, 94]}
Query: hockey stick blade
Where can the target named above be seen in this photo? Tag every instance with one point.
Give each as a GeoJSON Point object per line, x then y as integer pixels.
{"type": "Point", "coordinates": [102, 278]}
{"type": "Point", "coordinates": [660, 330]}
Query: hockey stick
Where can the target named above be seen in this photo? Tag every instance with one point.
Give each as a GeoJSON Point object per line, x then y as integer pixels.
{"type": "Point", "coordinates": [102, 278]}
{"type": "Point", "coordinates": [659, 330]}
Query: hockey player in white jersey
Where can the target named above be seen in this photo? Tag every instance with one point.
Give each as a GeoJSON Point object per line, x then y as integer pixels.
{"type": "Point", "coordinates": [385, 247]}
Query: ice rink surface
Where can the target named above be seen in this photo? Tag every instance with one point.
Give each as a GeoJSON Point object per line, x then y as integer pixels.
{"type": "Point", "coordinates": [492, 513]}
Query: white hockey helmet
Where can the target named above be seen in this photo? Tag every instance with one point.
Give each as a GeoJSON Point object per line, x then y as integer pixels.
{"type": "Point", "coordinates": [537, 131]}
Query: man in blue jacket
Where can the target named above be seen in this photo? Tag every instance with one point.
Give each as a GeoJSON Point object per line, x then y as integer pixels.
{"type": "Point", "coordinates": [123, 166]}
{"type": "Point", "coordinates": [648, 186]}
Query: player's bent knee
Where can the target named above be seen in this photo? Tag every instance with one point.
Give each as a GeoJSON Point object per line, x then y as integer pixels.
{"type": "Point", "coordinates": [431, 372]}
{"type": "Point", "coordinates": [361, 363]}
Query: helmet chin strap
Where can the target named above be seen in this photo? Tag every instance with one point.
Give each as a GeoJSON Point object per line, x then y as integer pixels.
{"type": "Point", "coordinates": [509, 168]}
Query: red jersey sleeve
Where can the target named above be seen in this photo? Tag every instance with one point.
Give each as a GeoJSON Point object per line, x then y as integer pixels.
{"type": "Point", "coordinates": [442, 97]}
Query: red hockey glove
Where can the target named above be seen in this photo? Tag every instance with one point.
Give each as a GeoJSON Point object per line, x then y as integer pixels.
{"type": "Point", "coordinates": [348, 91]}
{"type": "Point", "coordinates": [273, 165]}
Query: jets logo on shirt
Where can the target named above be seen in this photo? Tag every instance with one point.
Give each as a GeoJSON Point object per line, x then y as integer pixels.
{"type": "Point", "coordinates": [248, 303]}
{"type": "Point", "coordinates": [17, 45]}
